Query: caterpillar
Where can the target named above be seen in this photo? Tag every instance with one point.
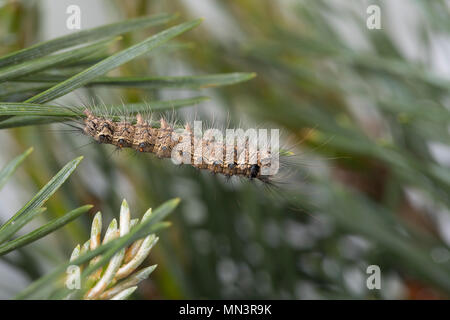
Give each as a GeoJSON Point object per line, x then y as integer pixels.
{"type": "Point", "coordinates": [244, 155]}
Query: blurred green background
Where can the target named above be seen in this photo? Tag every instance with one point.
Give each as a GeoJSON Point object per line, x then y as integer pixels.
{"type": "Point", "coordinates": [365, 112]}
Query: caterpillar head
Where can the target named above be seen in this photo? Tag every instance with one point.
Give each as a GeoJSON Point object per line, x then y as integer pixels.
{"type": "Point", "coordinates": [255, 171]}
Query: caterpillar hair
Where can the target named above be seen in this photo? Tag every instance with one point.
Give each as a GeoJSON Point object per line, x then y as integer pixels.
{"type": "Point", "coordinates": [246, 158]}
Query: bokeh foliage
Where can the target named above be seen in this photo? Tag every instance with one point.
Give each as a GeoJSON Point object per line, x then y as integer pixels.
{"type": "Point", "coordinates": [360, 114]}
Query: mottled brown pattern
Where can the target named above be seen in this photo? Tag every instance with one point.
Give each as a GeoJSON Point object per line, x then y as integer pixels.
{"type": "Point", "coordinates": [159, 141]}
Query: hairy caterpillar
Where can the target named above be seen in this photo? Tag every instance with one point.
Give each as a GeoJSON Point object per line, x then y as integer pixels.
{"type": "Point", "coordinates": [250, 157]}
